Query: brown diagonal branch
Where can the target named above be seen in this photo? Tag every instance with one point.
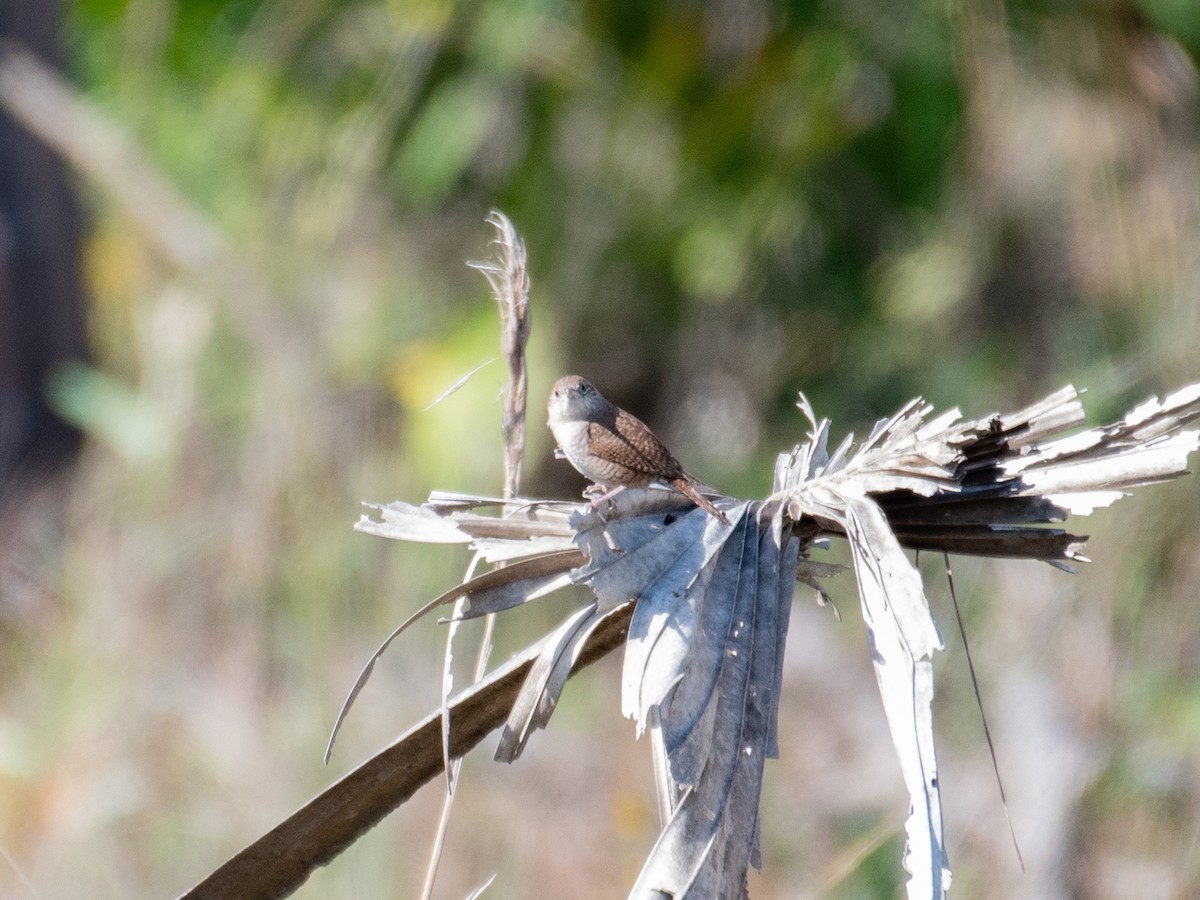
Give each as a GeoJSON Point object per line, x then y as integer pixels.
{"type": "Point", "coordinates": [282, 859]}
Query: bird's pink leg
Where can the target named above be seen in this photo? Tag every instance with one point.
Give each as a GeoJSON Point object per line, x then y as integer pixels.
{"type": "Point", "coordinates": [606, 496]}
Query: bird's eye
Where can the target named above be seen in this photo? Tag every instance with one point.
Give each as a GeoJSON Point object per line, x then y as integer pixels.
{"type": "Point", "coordinates": [583, 389]}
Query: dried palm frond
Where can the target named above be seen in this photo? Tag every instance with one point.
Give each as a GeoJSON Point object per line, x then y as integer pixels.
{"type": "Point", "coordinates": [707, 604]}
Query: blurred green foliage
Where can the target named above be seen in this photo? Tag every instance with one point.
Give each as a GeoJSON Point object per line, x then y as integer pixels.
{"type": "Point", "coordinates": [723, 203]}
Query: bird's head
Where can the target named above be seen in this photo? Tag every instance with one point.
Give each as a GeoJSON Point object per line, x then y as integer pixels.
{"type": "Point", "coordinates": [573, 398]}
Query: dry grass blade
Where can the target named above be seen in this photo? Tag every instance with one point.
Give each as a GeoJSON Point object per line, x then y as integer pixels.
{"type": "Point", "coordinates": [454, 388]}
{"type": "Point", "coordinates": [478, 892]}
{"type": "Point", "coordinates": [512, 583]}
{"type": "Point", "coordinates": [987, 731]}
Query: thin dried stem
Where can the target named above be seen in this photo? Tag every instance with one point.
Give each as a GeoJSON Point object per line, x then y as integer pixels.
{"type": "Point", "coordinates": [509, 280]}
{"type": "Point", "coordinates": [987, 732]}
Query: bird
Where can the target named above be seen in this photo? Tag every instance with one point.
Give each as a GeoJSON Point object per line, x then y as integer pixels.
{"type": "Point", "coordinates": [614, 449]}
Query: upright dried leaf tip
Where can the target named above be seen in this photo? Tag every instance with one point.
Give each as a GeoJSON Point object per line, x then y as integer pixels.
{"type": "Point", "coordinates": [509, 279]}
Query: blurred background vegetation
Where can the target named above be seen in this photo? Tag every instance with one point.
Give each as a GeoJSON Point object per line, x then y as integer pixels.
{"type": "Point", "coordinates": [724, 203]}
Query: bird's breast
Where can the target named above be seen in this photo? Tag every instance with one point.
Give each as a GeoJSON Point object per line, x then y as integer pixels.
{"type": "Point", "coordinates": [572, 437]}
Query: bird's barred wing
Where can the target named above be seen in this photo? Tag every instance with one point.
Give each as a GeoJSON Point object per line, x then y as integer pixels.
{"type": "Point", "coordinates": [629, 443]}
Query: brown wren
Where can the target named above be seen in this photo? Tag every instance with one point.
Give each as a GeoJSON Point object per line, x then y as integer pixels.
{"type": "Point", "coordinates": [613, 448]}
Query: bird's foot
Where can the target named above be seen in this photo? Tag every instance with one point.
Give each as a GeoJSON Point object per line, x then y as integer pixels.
{"type": "Point", "coordinates": [602, 495]}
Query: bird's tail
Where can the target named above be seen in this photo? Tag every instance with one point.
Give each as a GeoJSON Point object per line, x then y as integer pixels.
{"type": "Point", "coordinates": [687, 487]}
